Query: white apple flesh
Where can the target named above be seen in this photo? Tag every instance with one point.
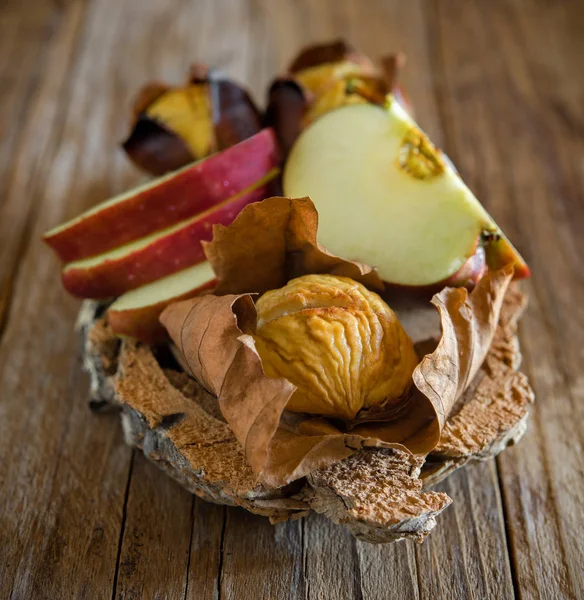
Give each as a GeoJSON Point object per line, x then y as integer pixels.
{"type": "Point", "coordinates": [386, 197]}
{"type": "Point", "coordinates": [136, 313]}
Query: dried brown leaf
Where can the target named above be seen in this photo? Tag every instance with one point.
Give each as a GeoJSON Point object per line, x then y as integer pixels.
{"type": "Point", "coordinates": [468, 326]}
{"type": "Point", "coordinates": [282, 246]}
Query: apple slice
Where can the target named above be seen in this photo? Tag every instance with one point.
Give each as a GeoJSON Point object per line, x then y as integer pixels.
{"type": "Point", "coordinates": [166, 200]}
{"type": "Point", "coordinates": [158, 255]}
{"type": "Point", "coordinates": [387, 197]}
{"type": "Point", "coordinates": [136, 313]}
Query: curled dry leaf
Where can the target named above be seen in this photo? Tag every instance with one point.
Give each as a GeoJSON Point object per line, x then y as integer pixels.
{"type": "Point", "coordinates": [283, 246]}
{"type": "Point", "coordinates": [172, 126]}
{"type": "Point", "coordinates": [468, 325]}
{"type": "Point", "coordinates": [214, 334]}
{"type": "Point", "coordinates": [321, 78]}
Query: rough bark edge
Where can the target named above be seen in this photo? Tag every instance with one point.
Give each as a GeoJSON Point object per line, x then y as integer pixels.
{"type": "Point", "coordinates": [99, 353]}
{"type": "Point", "coordinates": [168, 423]}
{"type": "Point", "coordinates": [160, 450]}
{"type": "Point", "coordinates": [349, 493]}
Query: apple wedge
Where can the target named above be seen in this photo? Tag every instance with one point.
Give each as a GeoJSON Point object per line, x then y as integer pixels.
{"type": "Point", "coordinates": [166, 200]}
{"type": "Point", "coordinates": [158, 255]}
{"type": "Point", "coordinates": [136, 313]}
{"type": "Point", "coordinates": [387, 197]}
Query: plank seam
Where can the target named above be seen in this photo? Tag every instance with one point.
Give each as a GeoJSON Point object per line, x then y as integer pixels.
{"type": "Point", "coordinates": [476, 530]}
{"type": "Point", "coordinates": [302, 558]}
{"type": "Point", "coordinates": [305, 560]}
{"type": "Point", "coordinates": [190, 546]}
{"type": "Point", "coordinates": [221, 553]}
{"type": "Point", "coordinates": [536, 423]}
{"type": "Point", "coordinates": [357, 581]}
{"type": "Point", "coordinates": [123, 524]}
{"type": "Point", "coordinates": [507, 531]}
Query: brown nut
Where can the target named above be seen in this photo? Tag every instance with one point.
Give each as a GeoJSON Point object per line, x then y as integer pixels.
{"type": "Point", "coordinates": [338, 342]}
{"type": "Point", "coordinates": [173, 126]}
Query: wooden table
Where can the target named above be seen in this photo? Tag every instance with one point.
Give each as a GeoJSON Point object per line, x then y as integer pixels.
{"type": "Point", "coordinates": [499, 85]}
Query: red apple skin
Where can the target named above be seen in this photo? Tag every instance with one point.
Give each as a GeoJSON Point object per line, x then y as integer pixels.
{"type": "Point", "coordinates": [190, 192]}
{"type": "Point", "coordinates": [163, 256]}
{"type": "Point", "coordinates": [491, 255]}
{"type": "Point", "coordinates": [469, 274]}
{"type": "Point", "coordinates": [143, 323]}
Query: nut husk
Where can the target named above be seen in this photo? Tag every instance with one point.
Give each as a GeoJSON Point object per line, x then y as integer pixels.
{"type": "Point", "coordinates": [173, 126]}
{"type": "Point", "coordinates": [213, 335]}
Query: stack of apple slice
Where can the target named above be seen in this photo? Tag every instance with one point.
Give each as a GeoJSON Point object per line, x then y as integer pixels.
{"type": "Point", "coordinates": [152, 237]}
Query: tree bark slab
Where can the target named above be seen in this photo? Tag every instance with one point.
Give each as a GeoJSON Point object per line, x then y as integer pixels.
{"type": "Point", "coordinates": [379, 495]}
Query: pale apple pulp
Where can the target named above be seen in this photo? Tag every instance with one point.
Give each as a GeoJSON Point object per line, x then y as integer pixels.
{"type": "Point", "coordinates": [385, 196]}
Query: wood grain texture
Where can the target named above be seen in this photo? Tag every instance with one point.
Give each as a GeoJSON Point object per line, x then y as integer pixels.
{"type": "Point", "coordinates": [63, 474]}
{"type": "Point", "coordinates": [523, 155]}
{"type": "Point", "coordinates": [262, 559]}
{"type": "Point", "coordinates": [37, 51]}
{"type": "Point", "coordinates": [331, 568]}
{"type": "Point", "coordinates": [499, 85]}
{"type": "Point", "coordinates": [471, 541]}
{"type": "Point", "coordinates": [156, 536]}
{"type": "Point", "coordinates": [206, 551]}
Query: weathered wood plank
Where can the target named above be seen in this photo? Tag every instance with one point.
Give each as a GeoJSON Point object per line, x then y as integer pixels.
{"type": "Point", "coordinates": [206, 552]}
{"type": "Point", "coordinates": [64, 474]}
{"type": "Point", "coordinates": [36, 51]}
{"type": "Point", "coordinates": [331, 567]}
{"type": "Point", "coordinates": [25, 37]}
{"type": "Point", "coordinates": [158, 43]}
{"type": "Point", "coordinates": [156, 539]}
{"type": "Point", "coordinates": [466, 555]}
{"type": "Point", "coordinates": [523, 153]}
{"type": "Point", "coordinates": [63, 494]}
{"type": "Point", "coordinates": [260, 560]}
{"type": "Point", "coordinates": [391, 569]}
{"type": "Point", "coordinates": [543, 561]}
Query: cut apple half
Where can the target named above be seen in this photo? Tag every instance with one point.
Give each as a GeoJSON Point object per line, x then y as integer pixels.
{"type": "Point", "coordinates": [166, 200]}
{"type": "Point", "coordinates": [136, 313]}
{"type": "Point", "coordinates": [387, 197]}
{"type": "Point", "coordinates": [158, 255]}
